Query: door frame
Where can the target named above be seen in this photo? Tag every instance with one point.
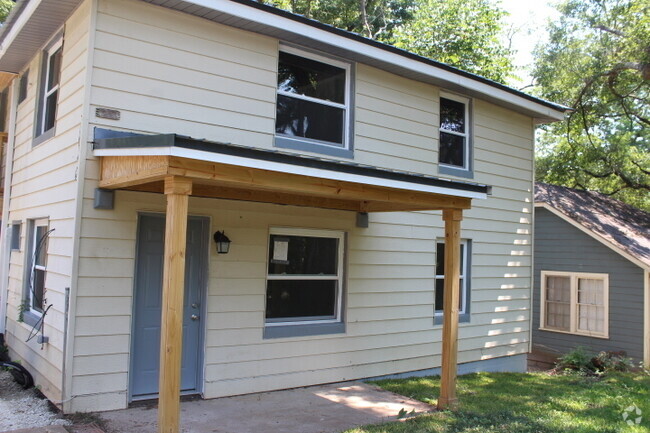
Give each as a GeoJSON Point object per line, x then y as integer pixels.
{"type": "Point", "coordinates": [206, 224]}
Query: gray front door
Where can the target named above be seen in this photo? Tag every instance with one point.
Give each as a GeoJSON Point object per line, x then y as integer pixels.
{"type": "Point", "coordinates": [145, 356]}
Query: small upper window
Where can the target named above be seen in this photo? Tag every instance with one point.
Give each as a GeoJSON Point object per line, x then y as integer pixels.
{"type": "Point", "coordinates": [23, 86]}
{"type": "Point", "coordinates": [305, 277]}
{"type": "Point", "coordinates": [440, 277]}
{"type": "Point", "coordinates": [576, 303]}
{"type": "Point", "coordinates": [454, 149]}
{"type": "Point", "coordinates": [312, 111]}
{"type": "Point", "coordinates": [49, 91]}
{"type": "Point", "coordinates": [15, 236]}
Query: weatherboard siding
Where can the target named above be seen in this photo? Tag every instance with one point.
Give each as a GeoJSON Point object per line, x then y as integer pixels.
{"type": "Point", "coordinates": [167, 72]}
{"type": "Point", "coordinates": [44, 185]}
{"type": "Point", "coordinates": [559, 246]}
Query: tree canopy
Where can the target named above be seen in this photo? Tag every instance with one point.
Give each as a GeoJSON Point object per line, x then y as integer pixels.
{"type": "Point", "coordinates": [597, 61]}
{"type": "Point", "coordinates": [462, 33]}
{"type": "Point", "coordinates": [5, 8]}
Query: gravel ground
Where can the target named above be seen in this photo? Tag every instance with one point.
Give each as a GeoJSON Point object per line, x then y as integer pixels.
{"type": "Point", "coordinates": [20, 408]}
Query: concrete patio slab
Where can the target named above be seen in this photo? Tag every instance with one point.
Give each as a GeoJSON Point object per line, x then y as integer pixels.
{"type": "Point", "coordinates": [318, 409]}
{"type": "Point", "coordinates": [48, 429]}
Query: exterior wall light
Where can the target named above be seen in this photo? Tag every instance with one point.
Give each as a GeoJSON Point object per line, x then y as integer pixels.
{"type": "Point", "coordinates": [223, 243]}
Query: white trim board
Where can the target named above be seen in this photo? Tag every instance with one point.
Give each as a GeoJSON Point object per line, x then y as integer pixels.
{"type": "Point", "coordinates": [591, 233]}
{"type": "Point", "coordinates": [285, 168]}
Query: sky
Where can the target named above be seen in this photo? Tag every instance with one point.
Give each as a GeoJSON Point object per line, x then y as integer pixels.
{"type": "Point", "coordinates": [529, 18]}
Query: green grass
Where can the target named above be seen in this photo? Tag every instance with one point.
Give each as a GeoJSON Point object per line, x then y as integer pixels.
{"type": "Point", "coordinates": [525, 403]}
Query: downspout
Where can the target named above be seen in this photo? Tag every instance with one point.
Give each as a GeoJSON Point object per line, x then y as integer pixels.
{"type": "Point", "coordinates": [6, 201]}
{"type": "Point", "coordinates": [68, 349]}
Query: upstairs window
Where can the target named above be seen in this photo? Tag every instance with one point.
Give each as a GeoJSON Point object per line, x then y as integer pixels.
{"type": "Point", "coordinates": [313, 103]}
{"type": "Point", "coordinates": [575, 303]}
{"type": "Point", "coordinates": [454, 153]}
{"type": "Point", "coordinates": [23, 86]}
{"type": "Point", "coordinates": [49, 90]}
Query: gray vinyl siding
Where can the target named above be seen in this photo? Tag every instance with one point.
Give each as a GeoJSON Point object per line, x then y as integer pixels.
{"type": "Point", "coordinates": [559, 246]}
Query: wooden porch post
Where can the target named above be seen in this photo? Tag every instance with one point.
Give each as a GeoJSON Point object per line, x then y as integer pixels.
{"type": "Point", "coordinates": [177, 191]}
{"type": "Point", "coordinates": [447, 399]}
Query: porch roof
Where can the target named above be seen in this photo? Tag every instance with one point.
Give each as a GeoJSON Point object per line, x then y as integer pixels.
{"type": "Point", "coordinates": [222, 170]}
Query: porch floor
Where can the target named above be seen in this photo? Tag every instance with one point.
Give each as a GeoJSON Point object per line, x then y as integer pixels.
{"type": "Point", "coordinates": [317, 409]}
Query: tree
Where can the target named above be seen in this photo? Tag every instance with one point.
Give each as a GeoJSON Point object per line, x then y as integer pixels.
{"type": "Point", "coordinates": [5, 8]}
{"type": "Point", "coordinates": [462, 33]}
{"type": "Point", "coordinates": [597, 61]}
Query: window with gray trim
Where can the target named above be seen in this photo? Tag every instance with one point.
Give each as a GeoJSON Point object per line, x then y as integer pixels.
{"type": "Point", "coordinates": [15, 236]}
{"type": "Point", "coordinates": [23, 86]}
{"type": "Point", "coordinates": [49, 89]}
{"type": "Point", "coordinates": [36, 266]}
{"type": "Point", "coordinates": [440, 277]}
{"type": "Point", "coordinates": [304, 277]}
{"type": "Point", "coordinates": [454, 151]}
{"type": "Point", "coordinates": [313, 102]}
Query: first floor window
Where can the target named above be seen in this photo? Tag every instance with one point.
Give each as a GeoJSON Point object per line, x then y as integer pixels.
{"type": "Point", "coordinates": [37, 259]}
{"type": "Point", "coordinates": [574, 302]}
{"type": "Point", "coordinates": [454, 132]}
{"type": "Point", "coordinates": [304, 276]}
{"type": "Point", "coordinates": [440, 276]}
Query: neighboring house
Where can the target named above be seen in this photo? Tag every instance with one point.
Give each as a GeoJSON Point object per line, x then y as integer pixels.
{"type": "Point", "coordinates": [326, 158]}
{"type": "Point", "coordinates": [592, 273]}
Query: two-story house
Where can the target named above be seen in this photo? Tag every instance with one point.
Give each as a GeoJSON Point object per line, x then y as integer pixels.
{"type": "Point", "coordinates": [287, 195]}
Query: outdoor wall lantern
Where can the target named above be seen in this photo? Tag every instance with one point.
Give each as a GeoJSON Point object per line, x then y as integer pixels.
{"type": "Point", "coordinates": [223, 243]}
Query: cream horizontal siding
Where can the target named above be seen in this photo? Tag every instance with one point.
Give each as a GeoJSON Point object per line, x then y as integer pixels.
{"type": "Point", "coordinates": [44, 185]}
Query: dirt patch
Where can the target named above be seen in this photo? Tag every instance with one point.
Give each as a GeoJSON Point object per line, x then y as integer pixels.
{"type": "Point", "coordinates": [24, 408]}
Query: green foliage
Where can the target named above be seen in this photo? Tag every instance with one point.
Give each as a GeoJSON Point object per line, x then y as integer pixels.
{"type": "Point", "coordinates": [24, 306]}
{"type": "Point", "coordinates": [597, 61]}
{"type": "Point", "coordinates": [5, 8]}
{"type": "Point", "coordinates": [462, 33]}
{"type": "Point", "coordinates": [580, 361]}
{"type": "Point", "coordinates": [525, 403]}
{"type": "Point", "coordinates": [576, 360]}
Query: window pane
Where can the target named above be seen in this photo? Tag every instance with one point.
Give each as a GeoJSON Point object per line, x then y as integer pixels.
{"type": "Point", "coordinates": [440, 259]}
{"type": "Point", "coordinates": [50, 111]}
{"type": "Point", "coordinates": [40, 245]}
{"type": "Point", "coordinates": [452, 115]}
{"type": "Point", "coordinates": [452, 149]}
{"type": "Point", "coordinates": [590, 291]}
{"type": "Point", "coordinates": [311, 78]}
{"type": "Point", "coordinates": [558, 289]}
{"type": "Point", "coordinates": [300, 299]}
{"type": "Point", "coordinates": [37, 289]}
{"type": "Point", "coordinates": [54, 70]}
{"type": "Point", "coordinates": [440, 295]}
{"type": "Point", "coordinates": [558, 315]}
{"type": "Point", "coordinates": [299, 118]}
{"type": "Point", "coordinates": [305, 256]}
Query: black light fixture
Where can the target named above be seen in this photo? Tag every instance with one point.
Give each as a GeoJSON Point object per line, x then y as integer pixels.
{"type": "Point", "coordinates": [223, 243]}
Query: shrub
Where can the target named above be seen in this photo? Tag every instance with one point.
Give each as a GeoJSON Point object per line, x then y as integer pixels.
{"type": "Point", "coordinates": [580, 361]}
{"type": "Point", "coordinates": [605, 362]}
{"type": "Point", "coordinates": [575, 360]}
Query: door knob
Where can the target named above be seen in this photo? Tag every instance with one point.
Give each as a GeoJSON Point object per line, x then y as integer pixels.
{"type": "Point", "coordinates": [194, 317]}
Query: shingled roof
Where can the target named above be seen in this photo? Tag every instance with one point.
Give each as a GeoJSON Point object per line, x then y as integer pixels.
{"type": "Point", "coordinates": [624, 227]}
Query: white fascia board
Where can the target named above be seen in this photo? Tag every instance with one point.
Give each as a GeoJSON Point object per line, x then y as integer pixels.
{"type": "Point", "coordinates": [603, 240]}
{"type": "Point", "coordinates": [17, 27]}
{"type": "Point", "coordinates": [307, 31]}
{"type": "Point", "coordinates": [285, 168]}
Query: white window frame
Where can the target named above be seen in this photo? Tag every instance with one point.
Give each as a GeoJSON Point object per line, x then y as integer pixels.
{"type": "Point", "coordinates": [463, 277]}
{"type": "Point", "coordinates": [34, 224]}
{"type": "Point", "coordinates": [467, 134]}
{"type": "Point", "coordinates": [44, 93]}
{"type": "Point", "coordinates": [345, 106]}
{"type": "Point", "coordinates": [331, 234]}
{"type": "Point", "coordinates": [574, 317]}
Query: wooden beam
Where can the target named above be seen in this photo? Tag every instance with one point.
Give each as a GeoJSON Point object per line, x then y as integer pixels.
{"type": "Point", "coordinates": [124, 171]}
{"type": "Point", "coordinates": [447, 399]}
{"type": "Point", "coordinates": [177, 191]}
{"type": "Point", "coordinates": [264, 180]}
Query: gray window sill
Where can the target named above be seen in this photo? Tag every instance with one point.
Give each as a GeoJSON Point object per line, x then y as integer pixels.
{"type": "Point", "coordinates": [43, 137]}
{"type": "Point", "coordinates": [31, 319]}
{"type": "Point", "coordinates": [312, 146]}
{"type": "Point", "coordinates": [462, 318]}
{"type": "Point", "coordinates": [459, 172]}
{"type": "Point", "coordinates": [285, 331]}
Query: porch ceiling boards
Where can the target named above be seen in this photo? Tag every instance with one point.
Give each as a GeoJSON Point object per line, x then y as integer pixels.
{"type": "Point", "coordinates": [218, 170]}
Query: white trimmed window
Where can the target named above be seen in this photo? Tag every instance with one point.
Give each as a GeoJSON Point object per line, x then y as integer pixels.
{"type": "Point", "coordinates": [454, 151]}
{"type": "Point", "coordinates": [304, 277]}
{"type": "Point", "coordinates": [313, 103]}
{"type": "Point", "coordinates": [37, 265]}
{"type": "Point", "coordinates": [440, 277]}
{"type": "Point", "coordinates": [576, 303]}
{"type": "Point", "coordinates": [49, 90]}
